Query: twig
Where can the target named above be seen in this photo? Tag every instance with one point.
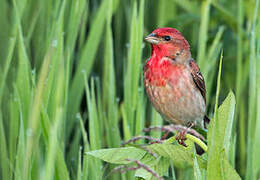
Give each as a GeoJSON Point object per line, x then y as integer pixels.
{"type": "Point", "coordinates": [125, 168]}
{"type": "Point", "coordinates": [174, 128]}
{"type": "Point", "coordinates": [136, 138]}
{"type": "Point", "coordinates": [197, 141]}
{"type": "Point", "coordinates": [147, 168]}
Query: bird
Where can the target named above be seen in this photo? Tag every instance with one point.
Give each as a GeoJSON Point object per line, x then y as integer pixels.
{"type": "Point", "coordinates": [173, 81]}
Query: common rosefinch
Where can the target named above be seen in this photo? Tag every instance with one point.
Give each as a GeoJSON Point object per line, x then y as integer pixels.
{"type": "Point", "coordinates": [173, 80]}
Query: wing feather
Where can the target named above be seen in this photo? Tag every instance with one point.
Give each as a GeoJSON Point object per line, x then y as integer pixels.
{"type": "Point", "coordinates": [198, 78]}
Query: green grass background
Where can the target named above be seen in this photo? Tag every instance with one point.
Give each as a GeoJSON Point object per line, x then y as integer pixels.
{"type": "Point", "coordinates": [71, 79]}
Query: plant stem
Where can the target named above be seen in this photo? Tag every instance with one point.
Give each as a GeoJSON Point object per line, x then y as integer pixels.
{"type": "Point", "coordinates": [192, 138]}
{"type": "Point", "coordinates": [197, 141]}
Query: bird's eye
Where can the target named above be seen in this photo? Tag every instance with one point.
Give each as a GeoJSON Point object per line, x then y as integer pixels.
{"type": "Point", "coordinates": [167, 38]}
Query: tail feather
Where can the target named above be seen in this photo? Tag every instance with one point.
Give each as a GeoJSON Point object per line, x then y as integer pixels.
{"type": "Point", "coordinates": [206, 121]}
{"type": "Point", "coordinates": [204, 131]}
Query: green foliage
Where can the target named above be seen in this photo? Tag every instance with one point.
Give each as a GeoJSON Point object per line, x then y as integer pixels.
{"type": "Point", "coordinates": [216, 163]}
{"type": "Point", "coordinates": [118, 155]}
{"type": "Point", "coordinates": [71, 88]}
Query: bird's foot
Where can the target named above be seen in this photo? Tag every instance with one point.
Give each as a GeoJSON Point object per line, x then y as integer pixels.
{"type": "Point", "coordinates": [179, 130]}
{"type": "Point", "coordinates": [181, 137]}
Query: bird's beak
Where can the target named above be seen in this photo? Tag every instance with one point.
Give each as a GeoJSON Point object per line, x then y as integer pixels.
{"type": "Point", "coordinates": [151, 38]}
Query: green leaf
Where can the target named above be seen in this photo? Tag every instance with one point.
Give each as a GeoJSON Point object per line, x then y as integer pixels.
{"type": "Point", "coordinates": [222, 136]}
{"type": "Point", "coordinates": [85, 63]}
{"type": "Point", "coordinates": [220, 130]}
{"type": "Point", "coordinates": [132, 78]}
{"type": "Point", "coordinates": [118, 155]}
{"type": "Point", "coordinates": [109, 88]}
{"type": "Point", "coordinates": [156, 120]}
{"type": "Point", "coordinates": [149, 161]}
{"type": "Point", "coordinates": [225, 119]}
{"type": "Point", "coordinates": [213, 166]}
{"type": "Point", "coordinates": [163, 15]}
{"type": "Point", "coordinates": [160, 165]}
{"type": "Point", "coordinates": [196, 168]}
{"type": "Point", "coordinates": [189, 6]}
{"type": "Point", "coordinates": [179, 154]}
{"type": "Point", "coordinates": [5, 170]}
{"type": "Point", "coordinates": [227, 171]}
{"type": "Point", "coordinates": [205, 13]}
{"type": "Point", "coordinates": [252, 98]}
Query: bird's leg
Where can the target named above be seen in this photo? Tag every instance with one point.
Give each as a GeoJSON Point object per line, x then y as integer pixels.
{"type": "Point", "coordinates": [181, 136]}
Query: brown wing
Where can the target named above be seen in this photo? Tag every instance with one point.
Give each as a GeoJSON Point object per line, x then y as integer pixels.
{"type": "Point", "coordinates": [198, 78]}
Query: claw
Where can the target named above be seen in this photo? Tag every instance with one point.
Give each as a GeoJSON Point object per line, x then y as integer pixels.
{"type": "Point", "coordinates": [181, 137]}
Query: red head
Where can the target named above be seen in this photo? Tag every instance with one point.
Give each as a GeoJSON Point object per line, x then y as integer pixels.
{"type": "Point", "coordinates": [169, 42]}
